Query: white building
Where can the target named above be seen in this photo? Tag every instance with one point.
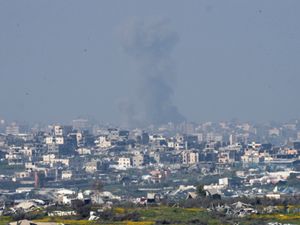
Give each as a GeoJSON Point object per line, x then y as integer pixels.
{"type": "Point", "coordinates": [58, 130]}
{"type": "Point", "coordinates": [84, 151]}
{"type": "Point", "coordinates": [12, 129]}
{"type": "Point", "coordinates": [190, 157]}
{"type": "Point", "coordinates": [59, 140]}
{"type": "Point", "coordinates": [124, 162]}
{"type": "Point", "coordinates": [66, 175]}
{"type": "Point", "coordinates": [92, 167]}
{"type": "Point", "coordinates": [137, 160]}
{"type": "Point", "coordinates": [103, 142]}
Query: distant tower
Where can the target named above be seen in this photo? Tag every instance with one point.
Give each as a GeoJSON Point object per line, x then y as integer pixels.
{"type": "Point", "coordinates": [56, 174]}
{"type": "Point", "coordinates": [36, 180]}
{"type": "Point", "coordinates": [12, 129]}
{"type": "Point", "coordinates": [39, 178]}
{"type": "Point", "coordinates": [81, 124]}
{"type": "Point", "coordinates": [232, 139]}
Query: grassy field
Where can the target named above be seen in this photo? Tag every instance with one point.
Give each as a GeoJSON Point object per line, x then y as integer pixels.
{"type": "Point", "coordinates": [169, 215]}
{"type": "Point", "coordinates": [148, 216]}
{"type": "Point", "coordinates": [176, 215]}
{"type": "Point", "coordinates": [277, 217]}
{"type": "Point", "coordinates": [85, 222]}
{"type": "Point", "coordinates": [4, 220]}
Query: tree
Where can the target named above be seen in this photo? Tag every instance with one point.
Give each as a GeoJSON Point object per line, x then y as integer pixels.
{"type": "Point", "coordinates": [200, 191]}
{"type": "Point", "coordinates": [81, 208]}
{"type": "Point", "coordinates": [97, 186]}
{"type": "Point", "coordinates": [19, 215]}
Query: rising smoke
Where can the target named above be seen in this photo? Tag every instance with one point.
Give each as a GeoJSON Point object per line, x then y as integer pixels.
{"type": "Point", "coordinates": [150, 44]}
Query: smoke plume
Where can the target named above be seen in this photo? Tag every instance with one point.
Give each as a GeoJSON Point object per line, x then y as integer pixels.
{"type": "Point", "coordinates": [150, 44]}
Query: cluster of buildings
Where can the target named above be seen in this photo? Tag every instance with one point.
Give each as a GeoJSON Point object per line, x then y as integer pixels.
{"type": "Point", "coordinates": [231, 159]}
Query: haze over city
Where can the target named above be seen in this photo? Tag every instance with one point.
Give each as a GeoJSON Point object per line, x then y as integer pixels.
{"type": "Point", "coordinates": [209, 60]}
{"type": "Point", "coordinates": [149, 112]}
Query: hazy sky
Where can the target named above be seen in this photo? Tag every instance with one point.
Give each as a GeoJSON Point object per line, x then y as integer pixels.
{"type": "Point", "coordinates": [233, 59]}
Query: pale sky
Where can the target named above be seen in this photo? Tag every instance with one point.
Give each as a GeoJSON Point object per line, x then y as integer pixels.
{"type": "Point", "coordinates": [233, 59]}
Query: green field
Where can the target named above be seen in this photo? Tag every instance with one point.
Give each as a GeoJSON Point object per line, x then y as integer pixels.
{"type": "Point", "coordinates": [4, 220]}
{"type": "Point", "coordinates": [169, 215]}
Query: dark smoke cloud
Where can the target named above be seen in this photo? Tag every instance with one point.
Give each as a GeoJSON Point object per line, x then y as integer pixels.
{"type": "Point", "coordinates": [150, 44]}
